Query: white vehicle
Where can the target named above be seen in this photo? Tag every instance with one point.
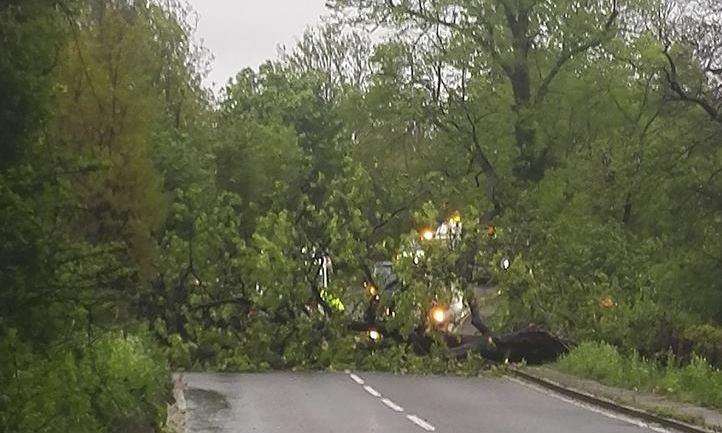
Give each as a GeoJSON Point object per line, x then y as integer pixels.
{"type": "Point", "coordinates": [448, 318]}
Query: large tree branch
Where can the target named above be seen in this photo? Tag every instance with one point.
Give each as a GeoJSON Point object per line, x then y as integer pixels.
{"type": "Point", "coordinates": [492, 178]}
{"type": "Point", "coordinates": [487, 41]}
{"type": "Point", "coordinates": [567, 54]}
{"type": "Point", "coordinates": [683, 95]}
{"type": "Point", "coordinates": [478, 156]}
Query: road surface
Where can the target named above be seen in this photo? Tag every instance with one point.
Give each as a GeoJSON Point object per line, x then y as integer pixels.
{"type": "Point", "coordinates": [373, 402]}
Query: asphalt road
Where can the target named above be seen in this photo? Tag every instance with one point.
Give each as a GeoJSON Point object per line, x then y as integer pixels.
{"type": "Point", "coordinates": [372, 402]}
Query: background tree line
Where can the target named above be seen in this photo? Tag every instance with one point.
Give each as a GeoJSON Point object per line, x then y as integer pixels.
{"type": "Point", "coordinates": [145, 221]}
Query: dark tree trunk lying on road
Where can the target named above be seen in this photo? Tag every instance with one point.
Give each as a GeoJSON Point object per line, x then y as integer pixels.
{"type": "Point", "coordinates": [534, 345]}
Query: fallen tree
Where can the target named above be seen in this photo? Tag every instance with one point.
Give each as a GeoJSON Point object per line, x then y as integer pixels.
{"type": "Point", "coordinates": [532, 344]}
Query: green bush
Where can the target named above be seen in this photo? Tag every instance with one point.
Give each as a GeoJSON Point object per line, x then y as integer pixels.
{"type": "Point", "coordinates": [117, 384]}
{"type": "Point", "coordinates": [131, 382]}
{"type": "Point", "coordinates": [705, 340]}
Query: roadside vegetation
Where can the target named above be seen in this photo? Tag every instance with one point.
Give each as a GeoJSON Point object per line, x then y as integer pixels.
{"type": "Point", "coordinates": [694, 381]}
{"type": "Point", "coordinates": [114, 383]}
{"type": "Point", "coordinates": [149, 225]}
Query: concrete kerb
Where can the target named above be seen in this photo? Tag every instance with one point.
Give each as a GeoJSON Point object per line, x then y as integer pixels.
{"type": "Point", "coordinates": [607, 404]}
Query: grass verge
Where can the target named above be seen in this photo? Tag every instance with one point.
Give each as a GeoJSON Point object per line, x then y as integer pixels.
{"type": "Point", "coordinates": [696, 382]}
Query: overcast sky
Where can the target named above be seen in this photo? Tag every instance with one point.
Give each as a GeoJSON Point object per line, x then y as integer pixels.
{"type": "Point", "coordinates": [243, 33]}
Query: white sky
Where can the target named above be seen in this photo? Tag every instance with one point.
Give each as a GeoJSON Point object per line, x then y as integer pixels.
{"type": "Point", "coordinates": [245, 33]}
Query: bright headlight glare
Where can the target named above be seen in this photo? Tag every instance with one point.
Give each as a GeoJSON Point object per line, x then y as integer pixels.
{"type": "Point", "coordinates": [438, 314]}
{"type": "Point", "coordinates": [427, 234]}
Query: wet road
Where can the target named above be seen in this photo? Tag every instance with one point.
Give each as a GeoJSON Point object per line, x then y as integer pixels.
{"type": "Point", "coordinates": [372, 402]}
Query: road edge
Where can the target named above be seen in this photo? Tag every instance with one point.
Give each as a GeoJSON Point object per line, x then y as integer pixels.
{"type": "Point", "coordinates": [176, 412]}
{"type": "Point", "coordinates": [607, 404]}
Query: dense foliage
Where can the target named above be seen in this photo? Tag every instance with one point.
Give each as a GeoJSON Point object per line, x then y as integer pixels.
{"type": "Point", "coordinates": [580, 140]}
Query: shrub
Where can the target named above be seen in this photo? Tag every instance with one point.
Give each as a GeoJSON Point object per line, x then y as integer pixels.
{"type": "Point", "coordinates": [130, 381]}
{"type": "Point", "coordinates": [697, 382]}
{"type": "Point", "coordinates": [117, 384]}
{"type": "Point", "coordinates": [706, 341]}
{"type": "Point", "coordinates": [598, 361]}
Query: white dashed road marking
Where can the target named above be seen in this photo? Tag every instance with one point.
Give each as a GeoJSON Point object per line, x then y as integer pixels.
{"type": "Point", "coordinates": [421, 423]}
{"type": "Point", "coordinates": [390, 404]}
{"type": "Point", "coordinates": [372, 391]}
{"type": "Point", "coordinates": [357, 379]}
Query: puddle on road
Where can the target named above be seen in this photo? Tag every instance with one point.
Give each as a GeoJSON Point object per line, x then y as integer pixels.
{"type": "Point", "coordinates": [205, 407]}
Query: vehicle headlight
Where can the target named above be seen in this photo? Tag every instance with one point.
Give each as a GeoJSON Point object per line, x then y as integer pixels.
{"type": "Point", "coordinates": [438, 314]}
